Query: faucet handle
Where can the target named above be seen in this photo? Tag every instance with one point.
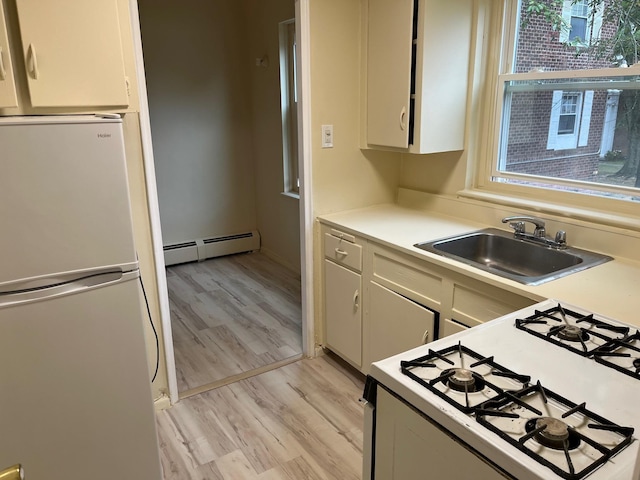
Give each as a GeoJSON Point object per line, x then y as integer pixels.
{"type": "Point", "coordinates": [561, 237]}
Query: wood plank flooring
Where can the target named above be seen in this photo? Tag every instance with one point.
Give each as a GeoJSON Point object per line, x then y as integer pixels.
{"type": "Point", "coordinates": [232, 314]}
{"type": "Point", "coordinates": [302, 421]}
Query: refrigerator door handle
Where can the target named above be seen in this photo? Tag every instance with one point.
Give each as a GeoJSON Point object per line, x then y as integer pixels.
{"type": "Point", "coordinates": [44, 288]}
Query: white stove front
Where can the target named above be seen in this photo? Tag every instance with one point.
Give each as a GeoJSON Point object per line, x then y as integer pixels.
{"type": "Point", "coordinates": [604, 391]}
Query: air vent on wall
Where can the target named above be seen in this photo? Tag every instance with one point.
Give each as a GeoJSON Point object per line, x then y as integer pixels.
{"type": "Point", "coordinates": [203, 248]}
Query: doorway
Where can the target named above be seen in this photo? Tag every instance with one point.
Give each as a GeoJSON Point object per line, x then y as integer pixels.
{"type": "Point", "coordinates": [213, 84]}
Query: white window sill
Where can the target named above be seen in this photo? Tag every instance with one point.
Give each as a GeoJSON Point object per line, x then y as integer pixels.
{"type": "Point", "coordinates": [593, 216]}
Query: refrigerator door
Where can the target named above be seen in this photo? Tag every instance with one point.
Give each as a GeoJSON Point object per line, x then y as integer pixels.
{"type": "Point", "coordinates": [75, 397]}
{"type": "Point", "coordinates": [64, 198]}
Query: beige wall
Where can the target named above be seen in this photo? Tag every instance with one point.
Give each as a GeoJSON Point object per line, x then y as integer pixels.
{"type": "Point", "coordinates": [442, 173]}
{"type": "Point", "coordinates": [277, 215]}
{"type": "Point", "coordinates": [344, 177]}
{"type": "Point", "coordinates": [197, 67]}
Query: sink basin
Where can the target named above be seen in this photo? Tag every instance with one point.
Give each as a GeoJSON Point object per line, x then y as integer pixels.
{"type": "Point", "coordinates": [498, 252]}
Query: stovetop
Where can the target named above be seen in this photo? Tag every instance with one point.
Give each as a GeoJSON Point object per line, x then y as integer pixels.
{"type": "Point", "coordinates": [539, 402]}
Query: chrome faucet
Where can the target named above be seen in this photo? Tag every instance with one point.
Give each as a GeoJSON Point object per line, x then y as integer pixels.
{"type": "Point", "coordinates": [539, 235]}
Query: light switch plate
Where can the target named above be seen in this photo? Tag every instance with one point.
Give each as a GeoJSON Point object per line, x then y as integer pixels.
{"type": "Point", "coordinates": [327, 136]}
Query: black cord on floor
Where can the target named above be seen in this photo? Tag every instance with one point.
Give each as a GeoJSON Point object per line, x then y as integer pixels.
{"type": "Point", "coordinates": [146, 301]}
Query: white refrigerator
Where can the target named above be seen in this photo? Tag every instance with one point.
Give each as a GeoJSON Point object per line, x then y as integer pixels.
{"type": "Point", "coordinates": [75, 392]}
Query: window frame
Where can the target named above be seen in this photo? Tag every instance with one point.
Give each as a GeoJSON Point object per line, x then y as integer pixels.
{"type": "Point", "coordinates": [501, 20]}
{"type": "Point", "coordinates": [289, 108]}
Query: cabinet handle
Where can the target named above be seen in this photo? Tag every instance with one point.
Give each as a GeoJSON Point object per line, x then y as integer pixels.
{"type": "Point", "coordinates": [32, 61]}
{"type": "Point", "coordinates": [403, 114]}
{"type": "Point", "coordinates": [356, 300]}
{"type": "Point", "coordinates": [342, 252]}
{"type": "Point", "coordinates": [425, 337]}
{"type": "Point", "coordinates": [3, 72]}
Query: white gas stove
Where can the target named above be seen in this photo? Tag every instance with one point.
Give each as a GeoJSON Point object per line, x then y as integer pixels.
{"type": "Point", "coordinates": [550, 391]}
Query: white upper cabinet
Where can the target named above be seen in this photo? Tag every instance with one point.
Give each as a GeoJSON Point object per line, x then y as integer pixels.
{"type": "Point", "coordinates": [417, 73]}
{"type": "Point", "coordinates": [389, 66]}
{"type": "Point", "coordinates": [73, 53]}
{"type": "Point", "coordinates": [7, 85]}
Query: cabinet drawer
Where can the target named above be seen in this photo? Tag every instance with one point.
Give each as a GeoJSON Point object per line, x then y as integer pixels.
{"type": "Point", "coordinates": [343, 252]}
{"type": "Point", "coordinates": [408, 280]}
{"type": "Point", "coordinates": [473, 306]}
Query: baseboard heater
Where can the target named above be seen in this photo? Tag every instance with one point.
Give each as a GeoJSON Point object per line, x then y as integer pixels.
{"type": "Point", "coordinates": [203, 248]}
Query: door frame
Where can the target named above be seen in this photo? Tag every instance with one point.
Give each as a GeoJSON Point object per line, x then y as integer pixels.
{"type": "Point", "coordinates": [306, 198]}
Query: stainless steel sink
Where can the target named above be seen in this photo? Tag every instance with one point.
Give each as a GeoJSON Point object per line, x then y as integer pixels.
{"type": "Point", "coordinates": [498, 252]}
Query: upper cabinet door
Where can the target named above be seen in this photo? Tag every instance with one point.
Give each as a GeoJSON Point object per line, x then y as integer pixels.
{"type": "Point", "coordinates": [389, 72]}
{"type": "Point", "coordinates": [73, 53]}
{"type": "Point", "coordinates": [7, 85]}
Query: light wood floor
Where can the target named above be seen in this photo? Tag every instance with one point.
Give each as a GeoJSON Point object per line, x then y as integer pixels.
{"type": "Point", "coordinates": [232, 314]}
{"type": "Point", "coordinates": [302, 421]}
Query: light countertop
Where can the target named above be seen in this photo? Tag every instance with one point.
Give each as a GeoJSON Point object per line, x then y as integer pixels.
{"type": "Point", "coordinates": [610, 289]}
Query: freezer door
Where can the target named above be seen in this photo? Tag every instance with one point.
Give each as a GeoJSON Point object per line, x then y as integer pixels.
{"type": "Point", "coordinates": [64, 198]}
{"type": "Point", "coordinates": [75, 395]}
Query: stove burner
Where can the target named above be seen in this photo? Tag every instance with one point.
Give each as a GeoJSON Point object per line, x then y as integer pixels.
{"type": "Point", "coordinates": [540, 436]}
{"type": "Point", "coordinates": [572, 333]}
{"type": "Point", "coordinates": [580, 333]}
{"type": "Point", "coordinates": [462, 377]}
{"type": "Point", "coordinates": [463, 380]}
{"type": "Point", "coordinates": [553, 433]}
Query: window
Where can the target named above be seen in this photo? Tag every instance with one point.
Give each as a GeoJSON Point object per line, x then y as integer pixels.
{"type": "Point", "coordinates": [570, 120]}
{"type": "Point", "coordinates": [568, 112]}
{"type": "Point", "coordinates": [566, 115]}
{"type": "Point", "coordinates": [581, 21]}
{"type": "Point", "coordinates": [289, 107]}
{"type": "Point", "coordinates": [578, 22]}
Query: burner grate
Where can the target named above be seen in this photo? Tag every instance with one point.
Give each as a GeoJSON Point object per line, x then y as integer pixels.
{"type": "Point", "coordinates": [566, 437]}
{"type": "Point", "coordinates": [622, 355]}
{"type": "Point", "coordinates": [462, 377]}
{"type": "Point", "coordinates": [580, 333]}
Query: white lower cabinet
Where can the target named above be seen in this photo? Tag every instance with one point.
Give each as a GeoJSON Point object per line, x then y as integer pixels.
{"type": "Point", "coordinates": [379, 301]}
{"type": "Point", "coordinates": [449, 327]}
{"type": "Point", "coordinates": [395, 323]}
{"type": "Point", "coordinates": [409, 446]}
{"type": "Point", "coordinates": [343, 315]}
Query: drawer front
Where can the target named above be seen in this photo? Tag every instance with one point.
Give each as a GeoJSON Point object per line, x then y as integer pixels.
{"type": "Point", "coordinates": [408, 280]}
{"type": "Point", "coordinates": [343, 252]}
{"type": "Point", "coordinates": [471, 306]}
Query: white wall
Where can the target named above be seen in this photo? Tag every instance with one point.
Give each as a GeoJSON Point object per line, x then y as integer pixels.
{"type": "Point", "coordinates": [198, 70]}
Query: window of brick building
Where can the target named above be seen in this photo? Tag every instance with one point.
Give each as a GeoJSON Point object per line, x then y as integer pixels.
{"type": "Point", "coordinates": [582, 21]}
{"type": "Point", "coordinates": [579, 17]}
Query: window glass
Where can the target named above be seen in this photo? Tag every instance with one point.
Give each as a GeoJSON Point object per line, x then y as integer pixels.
{"type": "Point", "coordinates": [289, 107]}
{"type": "Point", "coordinates": [570, 116]}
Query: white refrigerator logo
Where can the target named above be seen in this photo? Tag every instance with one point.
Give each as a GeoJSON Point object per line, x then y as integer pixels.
{"type": "Point", "coordinates": [104, 135]}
